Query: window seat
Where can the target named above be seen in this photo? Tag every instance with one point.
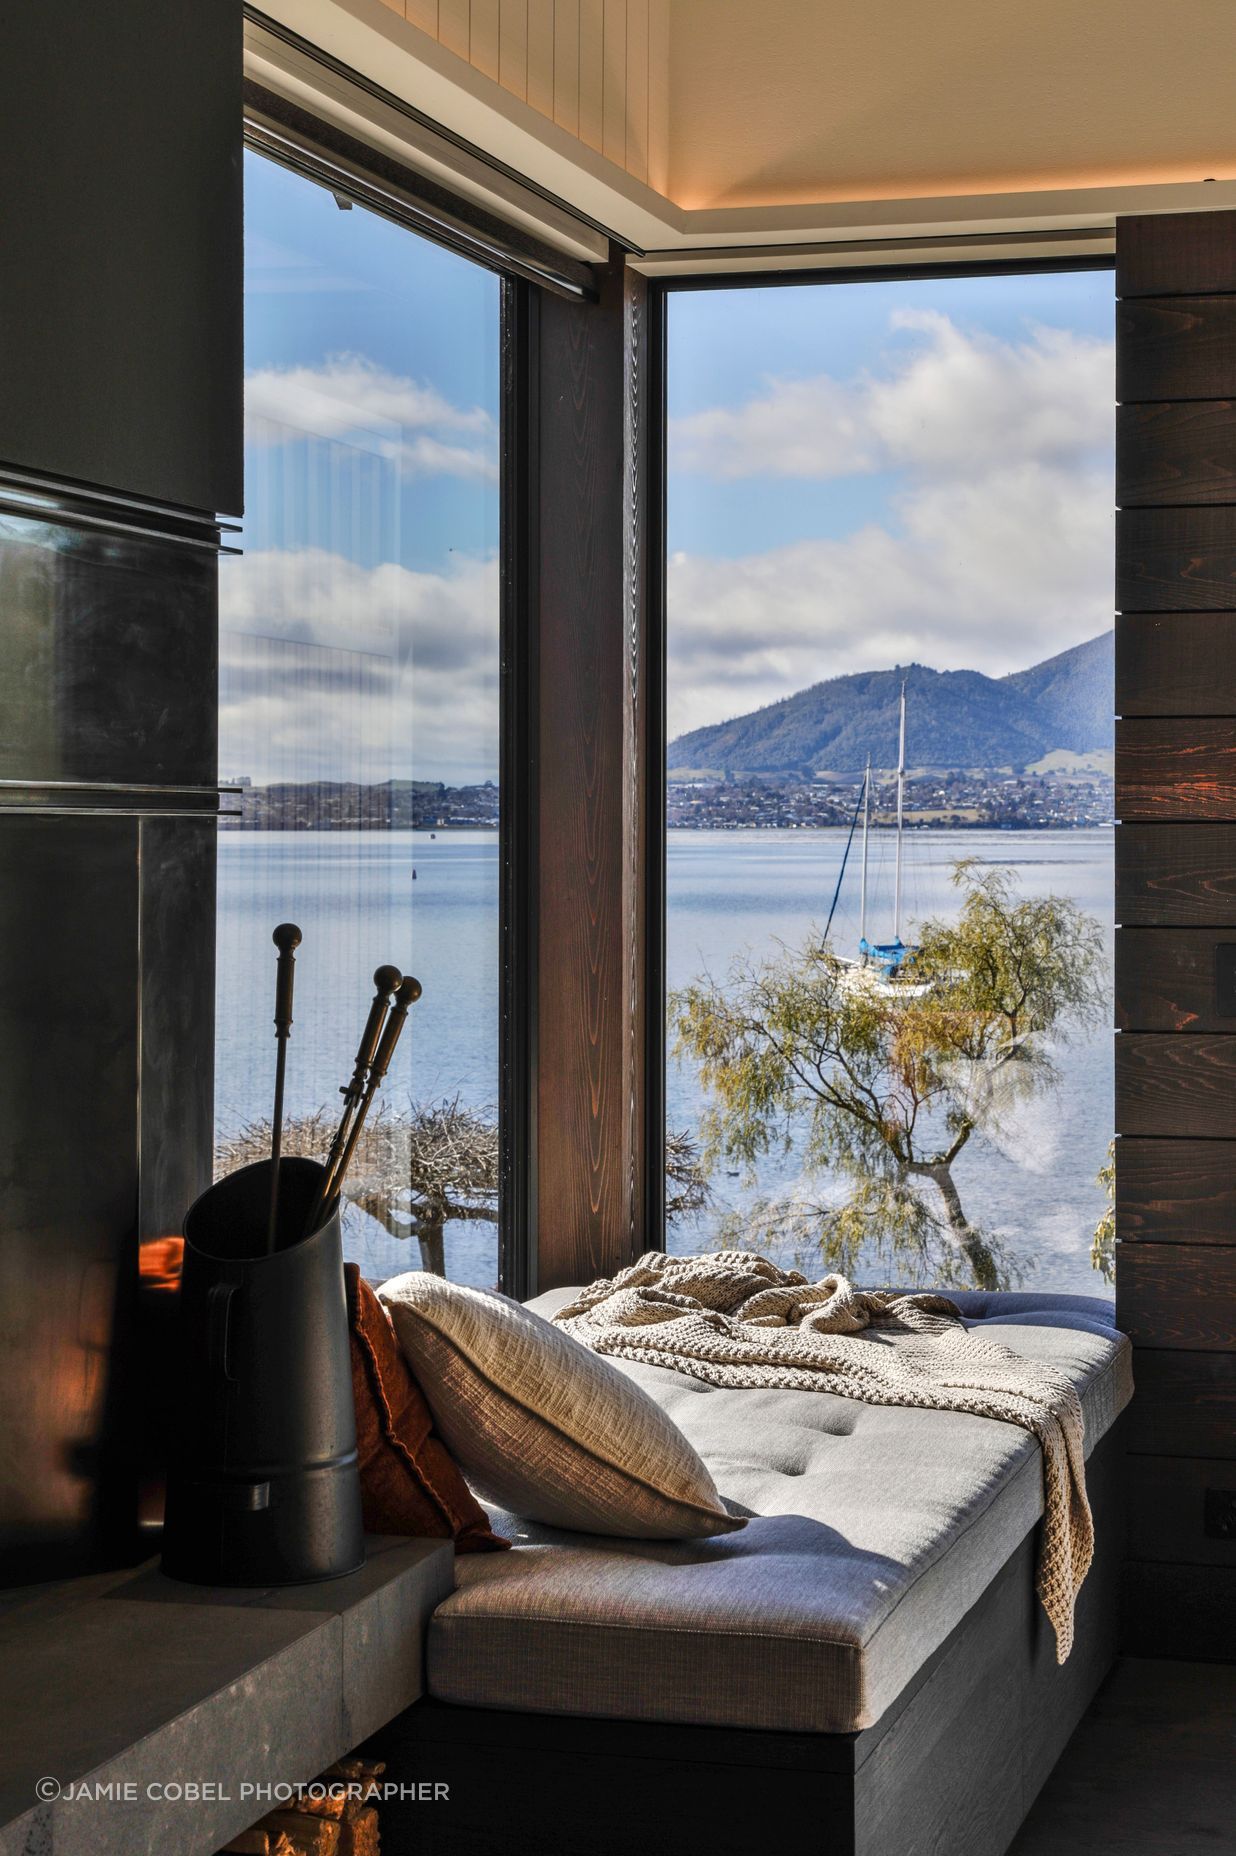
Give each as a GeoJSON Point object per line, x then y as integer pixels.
{"type": "Point", "coordinates": [874, 1531]}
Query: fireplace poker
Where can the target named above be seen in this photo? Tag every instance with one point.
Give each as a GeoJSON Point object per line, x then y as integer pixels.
{"type": "Point", "coordinates": [287, 938]}
{"type": "Point", "coordinates": [406, 994]}
{"type": "Point", "coordinates": [386, 979]}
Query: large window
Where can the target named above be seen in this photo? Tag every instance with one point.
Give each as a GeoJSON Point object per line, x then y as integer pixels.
{"type": "Point", "coordinates": [359, 713]}
{"type": "Point", "coordinates": [891, 1049]}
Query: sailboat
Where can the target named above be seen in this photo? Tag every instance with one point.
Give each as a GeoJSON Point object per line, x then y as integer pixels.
{"type": "Point", "coordinates": [885, 967]}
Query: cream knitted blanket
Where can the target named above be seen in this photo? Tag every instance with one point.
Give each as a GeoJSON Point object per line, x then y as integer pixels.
{"type": "Point", "coordinates": [737, 1320]}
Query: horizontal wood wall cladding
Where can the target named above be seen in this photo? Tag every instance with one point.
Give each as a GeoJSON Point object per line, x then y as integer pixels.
{"type": "Point", "coordinates": [1176, 875]}
{"type": "Point", "coordinates": [1176, 452]}
{"type": "Point", "coordinates": [1166, 979]}
{"type": "Point", "coordinates": [1176, 1192]}
{"type": "Point", "coordinates": [1183, 1612]}
{"type": "Point", "coordinates": [1168, 1085]}
{"type": "Point", "coordinates": [1176, 767]}
{"type": "Point", "coordinates": [1167, 1509]}
{"type": "Point", "coordinates": [1179, 1296]}
{"type": "Point", "coordinates": [1175, 254]}
{"type": "Point", "coordinates": [1176, 560]}
{"type": "Point", "coordinates": [1176, 663]}
{"type": "Point", "coordinates": [1176, 348]}
{"type": "Point", "coordinates": [1184, 1404]}
{"type": "Point", "coordinates": [1175, 1057]}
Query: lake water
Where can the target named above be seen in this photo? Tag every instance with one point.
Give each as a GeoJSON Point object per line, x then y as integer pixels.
{"type": "Point", "coordinates": [355, 897]}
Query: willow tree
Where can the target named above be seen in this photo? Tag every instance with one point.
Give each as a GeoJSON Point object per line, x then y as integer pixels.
{"type": "Point", "coordinates": [880, 1090]}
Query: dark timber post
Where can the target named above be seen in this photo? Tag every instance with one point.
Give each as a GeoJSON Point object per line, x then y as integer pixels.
{"type": "Point", "coordinates": [585, 396]}
{"type": "Point", "coordinates": [1176, 906]}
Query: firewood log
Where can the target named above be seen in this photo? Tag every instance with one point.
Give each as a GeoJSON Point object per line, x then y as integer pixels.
{"type": "Point", "coordinates": [360, 1834]}
{"type": "Point", "coordinates": [308, 1836]}
{"type": "Point", "coordinates": [330, 1804]}
{"type": "Point", "coordinates": [362, 1772]}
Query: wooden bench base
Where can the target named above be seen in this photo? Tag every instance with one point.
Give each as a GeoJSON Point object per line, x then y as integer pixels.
{"type": "Point", "coordinates": [950, 1770]}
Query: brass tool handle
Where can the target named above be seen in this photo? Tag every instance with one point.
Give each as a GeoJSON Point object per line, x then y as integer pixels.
{"type": "Point", "coordinates": [385, 980]}
{"type": "Point", "coordinates": [406, 995]}
{"type": "Point", "coordinates": [287, 938]}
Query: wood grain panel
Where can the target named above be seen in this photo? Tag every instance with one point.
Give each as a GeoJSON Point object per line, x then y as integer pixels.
{"type": "Point", "coordinates": [1185, 1403]}
{"type": "Point", "coordinates": [483, 37]}
{"type": "Point", "coordinates": [1176, 254]}
{"type": "Point", "coordinates": [513, 46]}
{"type": "Point", "coordinates": [1176, 348]}
{"type": "Point", "coordinates": [1176, 875]}
{"type": "Point", "coordinates": [1187, 1613]}
{"type": "Point", "coordinates": [454, 26]}
{"type": "Point", "coordinates": [592, 74]}
{"type": "Point", "coordinates": [566, 68]}
{"type": "Point", "coordinates": [1165, 979]}
{"type": "Point", "coordinates": [1176, 560]}
{"type": "Point", "coordinates": [1176, 901]}
{"type": "Point", "coordinates": [423, 14]}
{"type": "Point", "coordinates": [1168, 1085]}
{"type": "Point", "coordinates": [1177, 1296]}
{"type": "Point", "coordinates": [590, 1034]}
{"type": "Point", "coordinates": [637, 89]}
{"type": "Point", "coordinates": [1176, 663]}
{"type": "Point", "coordinates": [1175, 768]}
{"type": "Point", "coordinates": [658, 95]}
{"type": "Point", "coordinates": [541, 56]}
{"type": "Point", "coordinates": [1176, 1191]}
{"type": "Point", "coordinates": [615, 124]}
{"type": "Point", "coordinates": [1166, 1509]}
{"type": "Point", "coordinates": [1176, 452]}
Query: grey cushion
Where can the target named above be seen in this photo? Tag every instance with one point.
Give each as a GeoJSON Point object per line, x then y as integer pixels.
{"type": "Point", "coordinates": [874, 1530]}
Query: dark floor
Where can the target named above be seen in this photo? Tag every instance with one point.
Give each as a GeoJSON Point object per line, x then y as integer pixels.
{"type": "Point", "coordinates": [1151, 1771]}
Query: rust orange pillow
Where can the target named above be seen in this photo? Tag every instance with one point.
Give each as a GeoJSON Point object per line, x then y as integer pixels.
{"type": "Point", "coordinates": [410, 1483]}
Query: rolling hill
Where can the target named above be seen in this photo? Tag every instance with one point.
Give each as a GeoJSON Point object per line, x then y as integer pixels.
{"type": "Point", "coordinates": [956, 718]}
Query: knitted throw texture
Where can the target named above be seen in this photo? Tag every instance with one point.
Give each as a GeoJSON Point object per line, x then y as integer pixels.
{"type": "Point", "coordinates": [734, 1319]}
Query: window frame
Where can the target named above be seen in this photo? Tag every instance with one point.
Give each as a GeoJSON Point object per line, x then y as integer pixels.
{"type": "Point", "coordinates": [660, 290]}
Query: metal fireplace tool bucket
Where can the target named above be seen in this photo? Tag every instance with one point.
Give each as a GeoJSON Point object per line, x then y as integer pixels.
{"type": "Point", "coordinates": [264, 1487]}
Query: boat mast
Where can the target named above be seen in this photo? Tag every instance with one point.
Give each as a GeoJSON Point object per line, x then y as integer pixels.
{"type": "Point", "coordinates": [862, 906]}
{"type": "Point", "coordinates": [901, 787]}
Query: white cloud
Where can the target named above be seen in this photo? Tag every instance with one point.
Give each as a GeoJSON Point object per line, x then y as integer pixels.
{"type": "Point", "coordinates": [336, 671]}
{"type": "Point", "coordinates": [350, 397]}
{"type": "Point", "coordinates": [955, 400]}
{"type": "Point", "coordinates": [991, 574]}
{"type": "Point", "coordinates": [996, 550]}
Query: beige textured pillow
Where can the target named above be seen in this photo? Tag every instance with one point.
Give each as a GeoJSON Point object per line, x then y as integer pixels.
{"type": "Point", "coordinates": [543, 1425]}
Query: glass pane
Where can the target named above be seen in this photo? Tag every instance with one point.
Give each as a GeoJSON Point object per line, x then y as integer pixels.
{"type": "Point", "coordinates": [877, 488]}
{"type": "Point", "coordinates": [359, 715]}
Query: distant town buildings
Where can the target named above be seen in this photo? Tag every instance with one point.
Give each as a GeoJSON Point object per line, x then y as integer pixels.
{"type": "Point", "coordinates": [935, 800]}
{"type": "Point", "coordinates": [947, 801]}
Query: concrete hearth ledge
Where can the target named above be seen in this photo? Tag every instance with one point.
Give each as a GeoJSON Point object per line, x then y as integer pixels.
{"type": "Point", "coordinates": [127, 1684]}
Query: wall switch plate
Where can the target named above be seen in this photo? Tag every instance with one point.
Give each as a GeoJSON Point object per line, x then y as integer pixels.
{"type": "Point", "coordinates": [1225, 979]}
{"type": "Point", "coordinates": [1220, 1514]}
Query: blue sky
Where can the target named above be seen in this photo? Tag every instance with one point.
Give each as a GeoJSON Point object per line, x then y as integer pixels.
{"type": "Point", "coordinates": [860, 475]}
{"type": "Point", "coordinates": [724, 344]}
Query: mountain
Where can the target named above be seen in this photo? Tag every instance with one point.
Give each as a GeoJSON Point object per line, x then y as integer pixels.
{"type": "Point", "coordinates": [1075, 691]}
{"type": "Point", "coordinates": [955, 718]}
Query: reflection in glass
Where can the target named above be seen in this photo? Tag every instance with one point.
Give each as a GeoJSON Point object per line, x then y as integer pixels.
{"type": "Point", "coordinates": [359, 714]}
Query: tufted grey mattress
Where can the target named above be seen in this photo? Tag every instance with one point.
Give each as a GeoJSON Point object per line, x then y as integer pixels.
{"type": "Point", "coordinates": [873, 1530]}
